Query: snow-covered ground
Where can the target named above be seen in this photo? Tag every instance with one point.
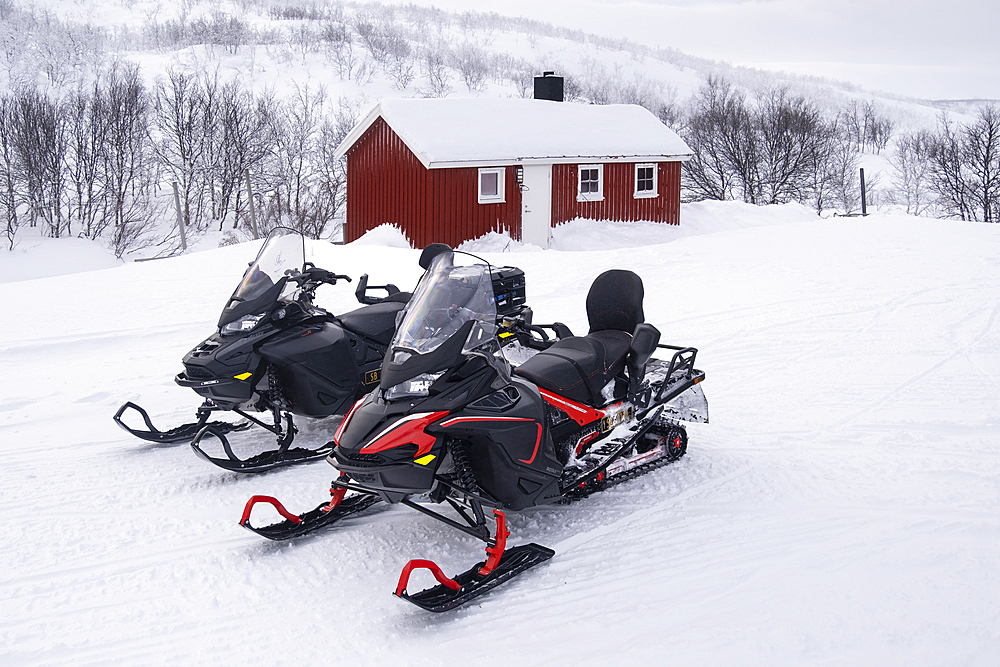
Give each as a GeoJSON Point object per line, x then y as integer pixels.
{"type": "Point", "coordinates": [841, 508]}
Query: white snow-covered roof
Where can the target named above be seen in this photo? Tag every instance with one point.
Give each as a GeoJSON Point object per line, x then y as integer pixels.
{"type": "Point", "coordinates": [472, 132]}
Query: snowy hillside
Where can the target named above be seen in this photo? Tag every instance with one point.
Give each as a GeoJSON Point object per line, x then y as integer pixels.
{"type": "Point", "coordinates": [266, 90]}
{"type": "Point", "coordinates": [841, 508]}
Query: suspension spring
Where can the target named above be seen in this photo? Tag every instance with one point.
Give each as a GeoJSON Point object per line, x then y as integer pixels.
{"type": "Point", "coordinates": [460, 456]}
{"type": "Point", "coordinates": [274, 393]}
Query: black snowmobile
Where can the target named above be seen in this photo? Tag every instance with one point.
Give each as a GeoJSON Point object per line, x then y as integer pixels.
{"type": "Point", "coordinates": [276, 352]}
{"type": "Point", "coordinates": [452, 422]}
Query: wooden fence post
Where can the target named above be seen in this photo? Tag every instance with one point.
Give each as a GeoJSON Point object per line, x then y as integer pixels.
{"type": "Point", "coordinates": [253, 215]}
{"type": "Point", "coordinates": [864, 194]}
{"type": "Point", "coordinates": [180, 217]}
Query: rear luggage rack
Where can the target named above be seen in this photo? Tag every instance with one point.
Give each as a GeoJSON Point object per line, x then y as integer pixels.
{"type": "Point", "coordinates": [665, 381]}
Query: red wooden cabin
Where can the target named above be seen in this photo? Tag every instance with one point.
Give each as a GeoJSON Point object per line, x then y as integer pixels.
{"type": "Point", "coordinates": [452, 170]}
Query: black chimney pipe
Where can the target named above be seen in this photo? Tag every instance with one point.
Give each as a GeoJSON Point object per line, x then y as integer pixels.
{"type": "Point", "coordinates": [548, 86]}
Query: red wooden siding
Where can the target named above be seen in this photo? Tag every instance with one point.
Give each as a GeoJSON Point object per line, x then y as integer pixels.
{"type": "Point", "coordinates": [387, 184]}
{"type": "Point", "coordinates": [619, 202]}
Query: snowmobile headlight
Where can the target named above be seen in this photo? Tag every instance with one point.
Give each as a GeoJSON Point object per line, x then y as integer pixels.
{"type": "Point", "coordinates": [417, 386]}
{"type": "Point", "coordinates": [245, 323]}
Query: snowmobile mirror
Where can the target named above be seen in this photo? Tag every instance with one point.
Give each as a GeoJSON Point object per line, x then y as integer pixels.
{"type": "Point", "coordinates": [432, 251]}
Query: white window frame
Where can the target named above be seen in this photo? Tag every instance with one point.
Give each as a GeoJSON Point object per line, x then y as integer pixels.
{"type": "Point", "coordinates": [499, 197]}
{"type": "Point", "coordinates": [646, 194]}
{"type": "Point", "coordinates": [590, 196]}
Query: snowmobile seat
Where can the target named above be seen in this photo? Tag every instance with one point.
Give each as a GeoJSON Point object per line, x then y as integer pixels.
{"type": "Point", "coordinates": [398, 297]}
{"type": "Point", "coordinates": [377, 321]}
{"type": "Point", "coordinates": [579, 367]}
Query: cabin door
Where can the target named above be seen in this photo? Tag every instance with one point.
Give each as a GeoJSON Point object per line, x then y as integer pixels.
{"type": "Point", "coordinates": [536, 205]}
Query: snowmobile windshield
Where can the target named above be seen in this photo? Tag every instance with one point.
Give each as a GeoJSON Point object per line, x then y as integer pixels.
{"type": "Point", "coordinates": [284, 251]}
{"type": "Point", "coordinates": [447, 297]}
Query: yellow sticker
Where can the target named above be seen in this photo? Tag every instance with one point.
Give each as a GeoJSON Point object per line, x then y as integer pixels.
{"type": "Point", "coordinates": [506, 334]}
{"type": "Point", "coordinates": [243, 376]}
{"type": "Point", "coordinates": [424, 460]}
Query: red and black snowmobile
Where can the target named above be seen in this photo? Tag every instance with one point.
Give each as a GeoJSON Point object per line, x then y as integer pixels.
{"type": "Point", "coordinates": [453, 423]}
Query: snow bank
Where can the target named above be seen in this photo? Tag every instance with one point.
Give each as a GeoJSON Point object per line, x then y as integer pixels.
{"type": "Point", "coordinates": [386, 235]}
{"type": "Point", "coordinates": [497, 242]}
{"type": "Point", "coordinates": [696, 219]}
{"type": "Point", "coordinates": [42, 257]}
{"type": "Point", "coordinates": [710, 217]}
{"type": "Point", "coordinates": [39, 257]}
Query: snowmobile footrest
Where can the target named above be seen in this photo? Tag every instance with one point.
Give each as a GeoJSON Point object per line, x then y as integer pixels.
{"type": "Point", "coordinates": [295, 526]}
{"type": "Point", "coordinates": [182, 433]}
{"type": "Point", "coordinates": [452, 593]}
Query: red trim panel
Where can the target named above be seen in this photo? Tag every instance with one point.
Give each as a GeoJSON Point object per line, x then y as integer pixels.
{"type": "Point", "coordinates": [580, 413]}
{"type": "Point", "coordinates": [408, 430]}
{"type": "Point", "coordinates": [456, 420]}
{"type": "Point", "coordinates": [538, 441]}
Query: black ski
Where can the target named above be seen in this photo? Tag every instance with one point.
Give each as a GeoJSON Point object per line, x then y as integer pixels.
{"type": "Point", "coordinates": [277, 458]}
{"type": "Point", "coordinates": [452, 593]}
{"type": "Point", "coordinates": [182, 433]}
{"type": "Point", "coordinates": [266, 460]}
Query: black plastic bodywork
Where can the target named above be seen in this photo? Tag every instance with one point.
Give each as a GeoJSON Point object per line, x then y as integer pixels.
{"type": "Point", "coordinates": [321, 364]}
{"type": "Point", "coordinates": [501, 424]}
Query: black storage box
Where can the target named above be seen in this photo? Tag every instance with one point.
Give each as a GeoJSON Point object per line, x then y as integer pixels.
{"type": "Point", "coordinates": [508, 288]}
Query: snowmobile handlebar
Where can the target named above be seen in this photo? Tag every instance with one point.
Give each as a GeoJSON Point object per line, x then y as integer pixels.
{"type": "Point", "coordinates": [558, 328]}
{"type": "Point", "coordinates": [316, 275]}
{"type": "Point", "coordinates": [534, 328]}
{"type": "Point", "coordinates": [537, 336]}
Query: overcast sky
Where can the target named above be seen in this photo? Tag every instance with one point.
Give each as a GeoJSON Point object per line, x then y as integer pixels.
{"type": "Point", "coordinates": [918, 48]}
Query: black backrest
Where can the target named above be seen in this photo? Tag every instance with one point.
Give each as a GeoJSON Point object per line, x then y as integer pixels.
{"type": "Point", "coordinates": [615, 301]}
{"type": "Point", "coordinates": [643, 346]}
{"type": "Point", "coordinates": [430, 252]}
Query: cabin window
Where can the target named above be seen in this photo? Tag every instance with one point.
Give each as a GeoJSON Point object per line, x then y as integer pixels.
{"type": "Point", "coordinates": [590, 185]}
{"type": "Point", "coordinates": [645, 181]}
{"type": "Point", "coordinates": [491, 185]}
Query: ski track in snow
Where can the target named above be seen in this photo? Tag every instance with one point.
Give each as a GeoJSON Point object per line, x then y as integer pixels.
{"type": "Point", "coordinates": [841, 508]}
